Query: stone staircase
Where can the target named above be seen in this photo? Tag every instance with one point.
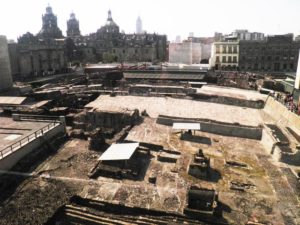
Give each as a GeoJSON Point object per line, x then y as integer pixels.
{"type": "Point", "coordinates": [93, 212]}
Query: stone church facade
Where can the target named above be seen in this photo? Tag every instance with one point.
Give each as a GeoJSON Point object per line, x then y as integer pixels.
{"type": "Point", "coordinates": [50, 52]}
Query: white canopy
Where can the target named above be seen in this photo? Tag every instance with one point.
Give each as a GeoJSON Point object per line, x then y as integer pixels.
{"type": "Point", "coordinates": [186, 126]}
{"type": "Point", "coordinates": [122, 151]}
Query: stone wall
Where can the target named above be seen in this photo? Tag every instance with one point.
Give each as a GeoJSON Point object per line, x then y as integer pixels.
{"type": "Point", "coordinates": [5, 69]}
{"type": "Point", "coordinates": [281, 114]}
{"type": "Point", "coordinates": [274, 147]}
{"type": "Point", "coordinates": [216, 127]}
{"type": "Point", "coordinates": [106, 119]}
{"type": "Point", "coordinates": [258, 104]}
{"type": "Point", "coordinates": [9, 161]}
{"type": "Point", "coordinates": [268, 140]}
{"type": "Point", "coordinates": [147, 89]}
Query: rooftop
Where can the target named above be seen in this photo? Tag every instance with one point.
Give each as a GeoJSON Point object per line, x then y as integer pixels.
{"type": "Point", "coordinates": [122, 151]}
{"type": "Point", "coordinates": [164, 76]}
{"type": "Point", "coordinates": [8, 100]}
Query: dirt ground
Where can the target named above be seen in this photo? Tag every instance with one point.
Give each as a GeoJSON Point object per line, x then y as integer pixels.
{"type": "Point", "coordinates": [65, 173]}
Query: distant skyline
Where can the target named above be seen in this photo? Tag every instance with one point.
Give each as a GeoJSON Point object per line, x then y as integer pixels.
{"type": "Point", "coordinates": [173, 18]}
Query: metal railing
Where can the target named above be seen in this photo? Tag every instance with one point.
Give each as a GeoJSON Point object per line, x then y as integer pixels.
{"type": "Point", "coordinates": [20, 143]}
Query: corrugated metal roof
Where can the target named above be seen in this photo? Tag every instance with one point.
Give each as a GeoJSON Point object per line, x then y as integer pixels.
{"type": "Point", "coordinates": [186, 126]}
{"type": "Point", "coordinates": [164, 76]}
{"type": "Point", "coordinates": [119, 152]}
{"type": "Point", "coordinates": [5, 100]}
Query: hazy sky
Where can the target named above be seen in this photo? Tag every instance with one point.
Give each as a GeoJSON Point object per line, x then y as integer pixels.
{"type": "Point", "coordinates": [171, 17]}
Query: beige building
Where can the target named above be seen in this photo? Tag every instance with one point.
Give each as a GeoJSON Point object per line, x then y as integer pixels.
{"type": "Point", "coordinates": [186, 52]}
{"type": "Point", "coordinates": [225, 55]}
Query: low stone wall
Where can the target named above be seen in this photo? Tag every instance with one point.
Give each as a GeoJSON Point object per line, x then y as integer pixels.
{"type": "Point", "coordinates": [268, 140]}
{"type": "Point", "coordinates": [281, 114]}
{"type": "Point", "coordinates": [290, 158]}
{"type": "Point", "coordinates": [216, 127]}
{"type": "Point", "coordinates": [9, 161]}
{"type": "Point", "coordinates": [115, 119]}
{"type": "Point", "coordinates": [273, 146]}
{"type": "Point", "coordinates": [147, 89]}
{"type": "Point", "coordinates": [258, 104]}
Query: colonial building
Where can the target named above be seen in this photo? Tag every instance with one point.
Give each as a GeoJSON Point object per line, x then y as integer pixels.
{"type": "Point", "coordinates": [39, 54]}
{"type": "Point", "coordinates": [275, 53]}
{"type": "Point", "coordinates": [49, 52]}
{"type": "Point", "coordinates": [225, 54]}
{"type": "Point", "coordinates": [49, 28]}
{"type": "Point", "coordinates": [112, 46]}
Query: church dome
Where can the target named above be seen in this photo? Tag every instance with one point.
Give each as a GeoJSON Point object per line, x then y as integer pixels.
{"type": "Point", "coordinates": [109, 21]}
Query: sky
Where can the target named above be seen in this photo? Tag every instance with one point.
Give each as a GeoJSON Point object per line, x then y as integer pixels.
{"type": "Point", "coordinates": [170, 17]}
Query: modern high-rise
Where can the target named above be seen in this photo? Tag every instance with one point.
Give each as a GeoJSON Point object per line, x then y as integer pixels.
{"type": "Point", "coordinates": [139, 26]}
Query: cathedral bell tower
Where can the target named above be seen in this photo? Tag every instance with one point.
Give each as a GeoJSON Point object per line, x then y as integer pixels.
{"type": "Point", "coordinates": [49, 28]}
{"type": "Point", "coordinates": [73, 26]}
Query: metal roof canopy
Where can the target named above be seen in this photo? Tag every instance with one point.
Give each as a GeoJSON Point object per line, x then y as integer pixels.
{"type": "Point", "coordinates": [7, 100]}
{"type": "Point", "coordinates": [166, 76]}
{"type": "Point", "coordinates": [122, 151]}
{"type": "Point", "coordinates": [186, 126]}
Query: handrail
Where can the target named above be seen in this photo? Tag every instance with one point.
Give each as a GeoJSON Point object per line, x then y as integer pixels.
{"type": "Point", "coordinates": [15, 146]}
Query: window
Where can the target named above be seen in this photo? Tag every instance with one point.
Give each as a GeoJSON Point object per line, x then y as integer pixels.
{"type": "Point", "coordinates": [234, 59]}
{"type": "Point", "coordinates": [229, 59]}
{"type": "Point", "coordinates": [284, 66]}
{"type": "Point", "coordinates": [217, 59]}
{"type": "Point", "coordinates": [229, 49]}
{"type": "Point", "coordinates": [224, 59]}
{"type": "Point", "coordinates": [224, 49]}
{"type": "Point", "coordinates": [234, 49]}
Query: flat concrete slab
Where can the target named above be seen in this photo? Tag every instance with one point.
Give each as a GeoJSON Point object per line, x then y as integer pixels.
{"type": "Point", "coordinates": [231, 92]}
{"type": "Point", "coordinates": [12, 131]}
{"type": "Point", "coordinates": [179, 108]}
